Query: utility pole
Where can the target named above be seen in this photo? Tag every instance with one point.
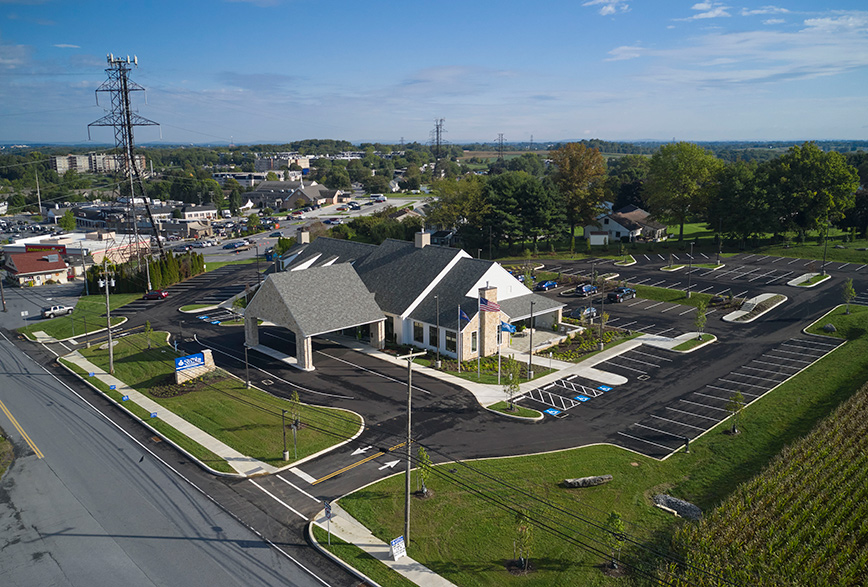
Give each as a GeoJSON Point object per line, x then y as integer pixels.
{"type": "Point", "coordinates": [409, 358]}
{"type": "Point", "coordinates": [108, 315]}
{"type": "Point", "coordinates": [719, 238]}
{"type": "Point", "coordinates": [283, 426]}
{"type": "Point", "coordinates": [38, 195]}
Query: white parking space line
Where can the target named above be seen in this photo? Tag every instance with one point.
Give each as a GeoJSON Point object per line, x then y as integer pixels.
{"type": "Point", "coordinates": [748, 257]}
{"type": "Point", "coordinates": [628, 324]}
{"type": "Point", "coordinates": [661, 256]}
{"type": "Point", "coordinates": [646, 257]}
{"type": "Point", "coordinates": [804, 348]}
{"type": "Point", "coordinates": [686, 312]}
{"type": "Point", "coordinates": [299, 489]}
{"type": "Point", "coordinates": [679, 436]}
{"type": "Point", "coordinates": [808, 262]}
{"type": "Point", "coordinates": [720, 399]}
{"type": "Point", "coordinates": [765, 370]}
{"type": "Point", "coordinates": [844, 265]}
{"type": "Point", "coordinates": [674, 256]}
{"type": "Point", "coordinates": [636, 303]}
{"type": "Point", "coordinates": [657, 283]}
{"type": "Point", "coordinates": [779, 277]}
{"type": "Point", "coordinates": [692, 414]}
{"type": "Point", "coordinates": [733, 390]}
{"type": "Point", "coordinates": [678, 423]}
{"type": "Point", "coordinates": [654, 305]}
{"type": "Point", "coordinates": [613, 320]}
{"type": "Point", "coordinates": [817, 343]}
{"type": "Point", "coordinates": [704, 255]}
{"type": "Point", "coordinates": [776, 364]}
{"type": "Point", "coordinates": [705, 290]}
{"type": "Point", "coordinates": [669, 308]}
{"type": "Point", "coordinates": [741, 294]}
{"type": "Point", "coordinates": [710, 312]}
{"type": "Point", "coordinates": [635, 352]}
{"type": "Point", "coordinates": [859, 267]}
{"type": "Point", "coordinates": [763, 257]}
{"type": "Point", "coordinates": [789, 353]}
{"type": "Point", "coordinates": [638, 361]}
{"type": "Point", "coordinates": [793, 261]}
{"type": "Point", "coordinates": [762, 275]}
{"type": "Point", "coordinates": [625, 367]}
{"type": "Point", "coordinates": [641, 282]}
{"type": "Point", "coordinates": [756, 377]}
{"type": "Point", "coordinates": [662, 332]}
{"type": "Point", "coordinates": [669, 448]}
{"type": "Point", "coordinates": [687, 401]}
{"type": "Point", "coordinates": [746, 273]}
{"type": "Point", "coordinates": [739, 383]}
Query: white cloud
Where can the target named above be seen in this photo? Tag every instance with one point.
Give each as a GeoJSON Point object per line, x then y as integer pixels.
{"type": "Point", "coordinates": [625, 52]}
{"type": "Point", "coordinates": [764, 10]}
{"type": "Point", "coordinates": [608, 7]}
{"type": "Point", "coordinates": [774, 21]}
{"type": "Point", "coordinates": [66, 46]}
{"type": "Point", "coordinates": [708, 10]}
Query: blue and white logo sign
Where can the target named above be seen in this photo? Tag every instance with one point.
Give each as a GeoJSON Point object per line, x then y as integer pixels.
{"type": "Point", "coordinates": [581, 398]}
{"type": "Point", "coordinates": [189, 362]}
{"type": "Point", "coordinates": [552, 412]}
{"type": "Point", "coordinates": [604, 388]}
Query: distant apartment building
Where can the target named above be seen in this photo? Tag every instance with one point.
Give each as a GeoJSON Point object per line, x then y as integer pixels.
{"type": "Point", "coordinates": [246, 180]}
{"type": "Point", "coordinates": [278, 162]}
{"type": "Point", "coordinates": [92, 163]}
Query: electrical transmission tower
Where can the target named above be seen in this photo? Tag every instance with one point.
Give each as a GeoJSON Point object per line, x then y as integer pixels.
{"type": "Point", "coordinates": [123, 119]}
{"type": "Point", "coordinates": [500, 146]}
{"type": "Point", "coordinates": [437, 138]}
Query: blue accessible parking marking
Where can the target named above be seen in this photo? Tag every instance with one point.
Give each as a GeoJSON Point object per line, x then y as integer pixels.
{"type": "Point", "coordinates": [581, 398]}
{"type": "Point", "coordinates": [604, 388]}
{"type": "Point", "coordinates": [202, 317]}
{"type": "Point", "coordinates": [552, 412]}
{"type": "Point", "coordinates": [215, 321]}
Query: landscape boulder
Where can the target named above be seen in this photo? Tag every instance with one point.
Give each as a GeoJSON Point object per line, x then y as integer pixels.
{"type": "Point", "coordinates": [829, 328]}
{"type": "Point", "coordinates": [685, 509]}
{"type": "Point", "coordinates": [587, 481]}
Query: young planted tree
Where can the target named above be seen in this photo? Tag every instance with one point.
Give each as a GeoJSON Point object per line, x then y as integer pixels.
{"type": "Point", "coordinates": [735, 407]}
{"type": "Point", "coordinates": [524, 538]}
{"type": "Point", "coordinates": [424, 469]}
{"type": "Point", "coordinates": [701, 317]}
{"type": "Point", "coordinates": [615, 536]}
{"type": "Point", "coordinates": [848, 293]}
{"type": "Point", "coordinates": [148, 331]}
{"type": "Point", "coordinates": [511, 380]}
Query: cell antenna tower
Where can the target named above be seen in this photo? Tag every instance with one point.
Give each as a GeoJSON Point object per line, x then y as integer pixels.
{"type": "Point", "coordinates": [123, 119]}
{"type": "Point", "coordinates": [500, 146]}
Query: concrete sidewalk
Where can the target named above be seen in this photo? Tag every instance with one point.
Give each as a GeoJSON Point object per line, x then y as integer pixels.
{"type": "Point", "coordinates": [348, 529]}
{"type": "Point", "coordinates": [243, 464]}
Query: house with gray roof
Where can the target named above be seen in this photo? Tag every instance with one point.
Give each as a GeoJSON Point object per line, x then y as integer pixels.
{"type": "Point", "coordinates": [427, 296]}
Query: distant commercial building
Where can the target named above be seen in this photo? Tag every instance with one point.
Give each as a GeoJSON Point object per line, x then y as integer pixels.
{"type": "Point", "coordinates": [92, 163]}
{"type": "Point", "coordinates": [278, 162]}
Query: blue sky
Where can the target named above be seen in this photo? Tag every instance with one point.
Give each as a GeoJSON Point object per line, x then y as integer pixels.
{"type": "Point", "coordinates": [379, 70]}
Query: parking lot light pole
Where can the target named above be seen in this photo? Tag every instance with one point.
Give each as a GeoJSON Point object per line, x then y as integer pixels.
{"type": "Point", "coordinates": [258, 274]}
{"type": "Point", "coordinates": [409, 358]}
{"type": "Point", "coordinates": [283, 426]}
{"type": "Point", "coordinates": [530, 350]}
{"type": "Point", "coordinates": [825, 246]}
{"type": "Point", "coordinates": [689, 268]}
{"type": "Point", "coordinates": [246, 368]}
{"type": "Point", "coordinates": [600, 346]}
{"type": "Point", "coordinates": [437, 303]}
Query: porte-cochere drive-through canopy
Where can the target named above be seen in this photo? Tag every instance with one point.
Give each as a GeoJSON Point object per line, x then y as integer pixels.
{"type": "Point", "coordinates": [313, 302]}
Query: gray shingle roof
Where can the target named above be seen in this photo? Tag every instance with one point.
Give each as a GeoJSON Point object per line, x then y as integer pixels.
{"type": "Point", "coordinates": [398, 272]}
{"type": "Point", "coordinates": [519, 308]}
{"type": "Point", "coordinates": [329, 248]}
{"type": "Point", "coordinates": [315, 301]}
{"type": "Point", "coordinates": [450, 294]}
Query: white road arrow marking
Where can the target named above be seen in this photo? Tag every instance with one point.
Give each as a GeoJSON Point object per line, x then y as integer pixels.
{"type": "Point", "coordinates": [389, 465]}
{"type": "Point", "coordinates": [361, 451]}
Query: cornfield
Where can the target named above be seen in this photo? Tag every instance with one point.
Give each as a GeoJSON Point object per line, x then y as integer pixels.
{"type": "Point", "coordinates": [802, 521]}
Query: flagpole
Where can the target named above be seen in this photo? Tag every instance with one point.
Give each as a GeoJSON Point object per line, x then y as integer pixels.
{"type": "Point", "coordinates": [499, 343]}
{"type": "Point", "coordinates": [478, 338]}
{"type": "Point", "coordinates": [459, 339]}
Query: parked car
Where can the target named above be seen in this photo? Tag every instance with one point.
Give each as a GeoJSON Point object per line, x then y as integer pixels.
{"type": "Point", "coordinates": [546, 285]}
{"type": "Point", "coordinates": [276, 234]}
{"type": "Point", "coordinates": [354, 206]}
{"type": "Point", "coordinates": [233, 246]}
{"type": "Point", "coordinates": [199, 245]}
{"type": "Point", "coordinates": [620, 294]}
{"type": "Point", "coordinates": [54, 311]}
{"type": "Point", "coordinates": [157, 294]}
{"type": "Point", "coordinates": [586, 290]}
{"type": "Point", "coordinates": [342, 208]}
{"type": "Point", "coordinates": [588, 313]}
{"type": "Point", "coordinates": [183, 248]}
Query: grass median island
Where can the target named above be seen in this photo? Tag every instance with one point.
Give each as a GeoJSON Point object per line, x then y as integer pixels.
{"type": "Point", "coordinates": [674, 296]}
{"type": "Point", "coordinates": [485, 372]}
{"type": "Point", "coordinates": [248, 420]}
{"type": "Point", "coordinates": [463, 534]}
{"type": "Point", "coordinates": [693, 342]}
{"type": "Point", "coordinates": [814, 279]}
{"type": "Point", "coordinates": [516, 410]}
{"type": "Point", "coordinates": [360, 560]}
{"type": "Point", "coordinates": [89, 310]}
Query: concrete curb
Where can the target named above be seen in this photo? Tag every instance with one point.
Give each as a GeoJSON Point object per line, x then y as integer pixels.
{"type": "Point", "coordinates": [51, 339]}
{"type": "Point", "coordinates": [533, 420]}
{"type": "Point", "coordinates": [733, 316]}
{"type": "Point", "coordinates": [339, 561]}
{"type": "Point", "coordinates": [797, 282]}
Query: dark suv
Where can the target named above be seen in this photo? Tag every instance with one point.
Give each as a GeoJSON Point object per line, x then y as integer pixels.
{"type": "Point", "coordinates": [620, 294]}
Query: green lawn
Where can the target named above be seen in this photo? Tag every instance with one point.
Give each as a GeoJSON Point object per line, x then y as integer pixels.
{"type": "Point", "coordinates": [475, 553]}
{"type": "Point", "coordinates": [213, 265]}
{"type": "Point", "coordinates": [519, 411]}
{"type": "Point", "coordinates": [248, 420]}
{"type": "Point", "coordinates": [662, 294]}
{"type": "Point", "coordinates": [693, 342]}
{"type": "Point", "coordinates": [89, 310]}
{"type": "Point", "coordinates": [813, 280]}
{"type": "Point", "coordinates": [194, 307]}
{"type": "Point", "coordinates": [361, 560]}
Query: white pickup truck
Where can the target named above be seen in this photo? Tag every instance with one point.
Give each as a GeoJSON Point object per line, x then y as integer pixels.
{"type": "Point", "coordinates": [54, 311]}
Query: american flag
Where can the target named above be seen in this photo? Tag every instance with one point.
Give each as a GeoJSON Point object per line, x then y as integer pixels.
{"type": "Point", "coordinates": [486, 306]}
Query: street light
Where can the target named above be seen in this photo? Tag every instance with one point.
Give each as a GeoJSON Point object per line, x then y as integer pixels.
{"type": "Point", "coordinates": [437, 303]}
{"type": "Point", "coordinates": [689, 268]}
{"type": "Point", "coordinates": [258, 274]}
{"type": "Point", "coordinates": [409, 358]}
{"type": "Point", "coordinates": [283, 425]}
{"type": "Point", "coordinates": [600, 346]}
{"type": "Point", "coordinates": [825, 246]}
{"type": "Point", "coordinates": [530, 350]}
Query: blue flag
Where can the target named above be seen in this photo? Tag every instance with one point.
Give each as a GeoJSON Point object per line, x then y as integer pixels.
{"type": "Point", "coordinates": [463, 315]}
{"type": "Point", "coordinates": [506, 327]}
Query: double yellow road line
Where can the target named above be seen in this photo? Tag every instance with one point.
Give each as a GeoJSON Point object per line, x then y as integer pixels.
{"type": "Point", "coordinates": [357, 463]}
{"type": "Point", "coordinates": [21, 430]}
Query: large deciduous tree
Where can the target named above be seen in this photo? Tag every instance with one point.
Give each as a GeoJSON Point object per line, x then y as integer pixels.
{"type": "Point", "coordinates": [808, 187]}
{"type": "Point", "coordinates": [579, 176]}
{"type": "Point", "coordinates": [738, 206]}
{"type": "Point", "coordinates": [679, 180]}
